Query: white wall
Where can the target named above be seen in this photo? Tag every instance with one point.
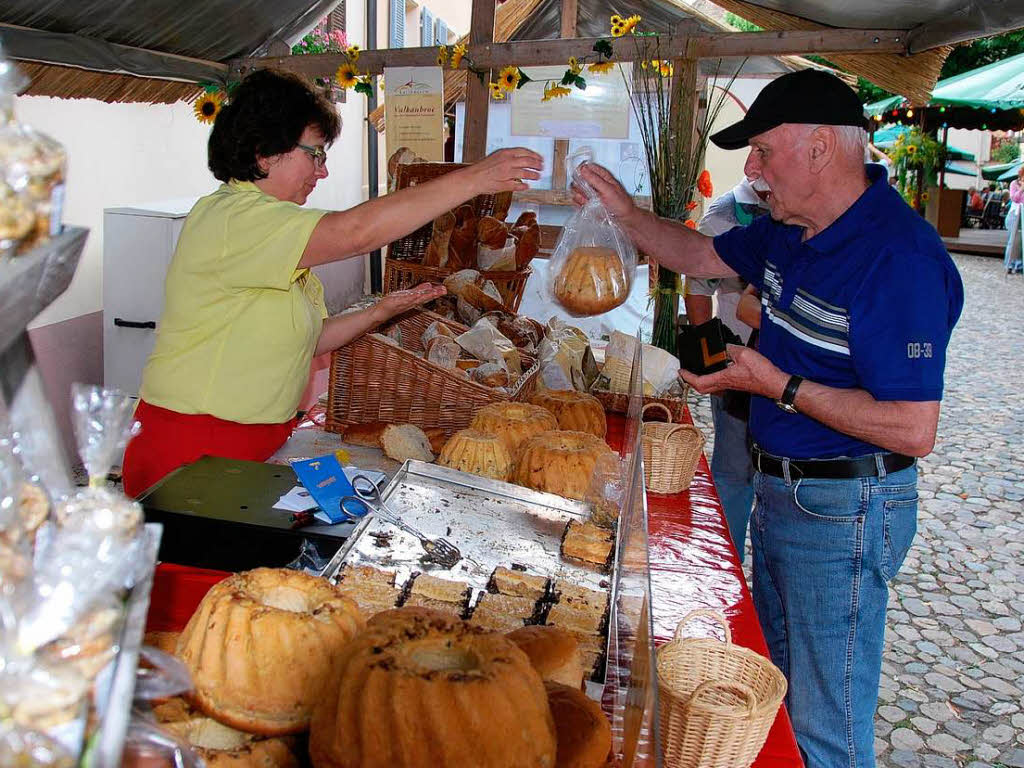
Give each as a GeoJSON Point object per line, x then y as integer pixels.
{"type": "Point", "coordinates": [123, 154]}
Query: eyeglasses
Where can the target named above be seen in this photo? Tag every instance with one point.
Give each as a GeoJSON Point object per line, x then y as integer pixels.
{"type": "Point", "coordinates": [318, 154]}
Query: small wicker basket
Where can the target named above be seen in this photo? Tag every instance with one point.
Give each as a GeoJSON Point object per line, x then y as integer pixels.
{"type": "Point", "coordinates": [399, 275]}
{"type": "Point", "coordinates": [671, 453]}
{"type": "Point", "coordinates": [717, 700]}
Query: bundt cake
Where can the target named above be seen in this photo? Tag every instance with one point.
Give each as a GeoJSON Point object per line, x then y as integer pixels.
{"type": "Point", "coordinates": [584, 733]}
{"type": "Point", "coordinates": [260, 646]}
{"type": "Point", "coordinates": [221, 746]}
{"type": "Point", "coordinates": [591, 281]}
{"type": "Point", "coordinates": [513, 422]}
{"type": "Point", "coordinates": [559, 462]}
{"type": "Point", "coordinates": [554, 653]}
{"type": "Point", "coordinates": [576, 411]}
{"type": "Point", "coordinates": [420, 688]}
{"type": "Point", "coordinates": [479, 453]}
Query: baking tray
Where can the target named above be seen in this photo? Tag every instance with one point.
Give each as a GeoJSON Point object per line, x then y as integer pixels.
{"type": "Point", "coordinates": [491, 522]}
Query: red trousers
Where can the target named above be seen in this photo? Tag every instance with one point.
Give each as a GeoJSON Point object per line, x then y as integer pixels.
{"type": "Point", "coordinates": [169, 440]}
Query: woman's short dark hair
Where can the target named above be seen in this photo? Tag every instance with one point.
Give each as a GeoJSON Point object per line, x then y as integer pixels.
{"type": "Point", "coordinates": [266, 116]}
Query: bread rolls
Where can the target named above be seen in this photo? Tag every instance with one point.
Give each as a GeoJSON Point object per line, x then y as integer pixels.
{"type": "Point", "coordinates": [437, 248]}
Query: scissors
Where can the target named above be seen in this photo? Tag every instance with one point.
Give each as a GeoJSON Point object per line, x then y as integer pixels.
{"type": "Point", "coordinates": [368, 499]}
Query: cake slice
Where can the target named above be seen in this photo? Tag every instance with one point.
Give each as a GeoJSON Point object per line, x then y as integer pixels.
{"type": "Point", "coordinates": [363, 574]}
{"type": "Point", "coordinates": [582, 598]}
{"type": "Point", "coordinates": [371, 597]}
{"type": "Point", "coordinates": [518, 584]}
{"type": "Point", "coordinates": [503, 612]}
{"type": "Point", "coordinates": [584, 621]}
{"type": "Point", "coordinates": [440, 594]}
{"type": "Point", "coordinates": [587, 542]}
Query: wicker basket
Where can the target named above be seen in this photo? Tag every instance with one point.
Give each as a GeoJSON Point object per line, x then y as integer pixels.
{"type": "Point", "coordinates": [618, 402]}
{"type": "Point", "coordinates": [400, 274]}
{"type": "Point", "coordinates": [414, 245]}
{"type": "Point", "coordinates": [671, 453]}
{"type": "Point", "coordinates": [717, 701]}
{"type": "Point", "coordinates": [372, 380]}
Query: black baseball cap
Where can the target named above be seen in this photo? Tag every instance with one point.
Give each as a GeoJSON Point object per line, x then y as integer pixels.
{"type": "Point", "coordinates": [809, 96]}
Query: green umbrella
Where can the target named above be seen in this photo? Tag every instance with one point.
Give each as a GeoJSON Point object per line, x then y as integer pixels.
{"type": "Point", "coordinates": [1009, 174]}
{"type": "Point", "coordinates": [996, 172]}
{"type": "Point", "coordinates": [962, 170]}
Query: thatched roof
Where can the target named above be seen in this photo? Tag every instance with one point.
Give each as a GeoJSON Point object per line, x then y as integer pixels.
{"type": "Point", "coordinates": [72, 83]}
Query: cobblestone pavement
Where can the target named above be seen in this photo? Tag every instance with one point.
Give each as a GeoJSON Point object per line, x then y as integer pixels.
{"type": "Point", "coordinates": [952, 688]}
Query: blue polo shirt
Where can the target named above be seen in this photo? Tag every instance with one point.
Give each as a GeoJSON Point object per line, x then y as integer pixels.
{"type": "Point", "coordinates": [868, 303]}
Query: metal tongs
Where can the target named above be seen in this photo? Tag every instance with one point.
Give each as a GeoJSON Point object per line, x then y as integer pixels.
{"type": "Point", "coordinates": [440, 551]}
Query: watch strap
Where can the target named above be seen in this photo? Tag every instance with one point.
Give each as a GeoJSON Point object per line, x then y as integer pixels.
{"type": "Point", "coordinates": [789, 393]}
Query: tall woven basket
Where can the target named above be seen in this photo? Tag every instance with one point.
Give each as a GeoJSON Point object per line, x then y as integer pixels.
{"type": "Point", "coordinates": [671, 453]}
{"type": "Point", "coordinates": [717, 700]}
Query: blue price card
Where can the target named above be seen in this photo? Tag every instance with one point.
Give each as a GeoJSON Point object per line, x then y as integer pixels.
{"type": "Point", "coordinates": [326, 482]}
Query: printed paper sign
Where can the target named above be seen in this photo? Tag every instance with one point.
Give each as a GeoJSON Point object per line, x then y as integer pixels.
{"type": "Point", "coordinates": [414, 110]}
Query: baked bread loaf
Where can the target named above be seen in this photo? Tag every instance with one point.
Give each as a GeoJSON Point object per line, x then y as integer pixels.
{"type": "Point", "coordinates": [462, 245]}
{"type": "Point", "coordinates": [491, 232]}
{"type": "Point", "coordinates": [437, 248]}
{"type": "Point", "coordinates": [419, 688]}
{"type": "Point", "coordinates": [554, 653]}
{"type": "Point", "coordinates": [583, 731]}
{"type": "Point", "coordinates": [491, 375]}
{"type": "Point", "coordinates": [443, 351]}
{"type": "Point", "coordinates": [371, 435]}
{"type": "Point", "coordinates": [575, 411]}
{"type": "Point", "coordinates": [527, 243]}
{"type": "Point", "coordinates": [559, 462]}
{"type": "Point", "coordinates": [260, 645]}
{"type": "Point", "coordinates": [479, 453]}
{"type": "Point", "coordinates": [402, 442]}
{"type": "Point", "coordinates": [591, 281]}
{"type": "Point", "coordinates": [513, 422]}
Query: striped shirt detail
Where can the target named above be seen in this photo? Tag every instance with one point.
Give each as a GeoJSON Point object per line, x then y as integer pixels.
{"type": "Point", "coordinates": [808, 318]}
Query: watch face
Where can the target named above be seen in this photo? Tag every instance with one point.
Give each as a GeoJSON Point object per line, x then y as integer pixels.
{"type": "Point", "coordinates": [786, 406]}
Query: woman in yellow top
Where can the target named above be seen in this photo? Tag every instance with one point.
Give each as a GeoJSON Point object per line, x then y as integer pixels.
{"type": "Point", "coordinates": [243, 314]}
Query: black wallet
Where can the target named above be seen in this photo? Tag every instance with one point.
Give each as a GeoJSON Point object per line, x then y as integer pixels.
{"type": "Point", "coordinates": [701, 347]}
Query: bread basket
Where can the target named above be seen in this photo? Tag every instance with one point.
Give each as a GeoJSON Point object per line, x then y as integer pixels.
{"type": "Point", "coordinates": [671, 453]}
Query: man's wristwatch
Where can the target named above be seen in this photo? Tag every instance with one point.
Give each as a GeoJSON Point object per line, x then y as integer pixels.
{"type": "Point", "coordinates": [789, 394]}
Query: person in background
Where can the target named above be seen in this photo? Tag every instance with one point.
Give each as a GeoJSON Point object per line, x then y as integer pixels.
{"type": "Point", "coordinates": [859, 298]}
{"type": "Point", "coordinates": [731, 468]}
{"type": "Point", "coordinates": [1013, 259]}
{"type": "Point", "coordinates": [244, 315]}
{"type": "Point", "coordinates": [975, 202]}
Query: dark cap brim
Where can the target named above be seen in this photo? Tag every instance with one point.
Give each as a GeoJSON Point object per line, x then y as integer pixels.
{"type": "Point", "coordinates": [738, 134]}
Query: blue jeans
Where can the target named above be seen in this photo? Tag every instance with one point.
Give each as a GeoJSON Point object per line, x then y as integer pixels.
{"type": "Point", "coordinates": [824, 551]}
{"type": "Point", "coordinates": [732, 471]}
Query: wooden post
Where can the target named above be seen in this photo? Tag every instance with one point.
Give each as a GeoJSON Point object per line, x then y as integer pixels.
{"type": "Point", "coordinates": [942, 170]}
{"type": "Point", "coordinates": [474, 135]}
{"type": "Point", "coordinates": [559, 173]}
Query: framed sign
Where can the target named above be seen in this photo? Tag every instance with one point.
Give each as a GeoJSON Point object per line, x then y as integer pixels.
{"type": "Point", "coordinates": [414, 110]}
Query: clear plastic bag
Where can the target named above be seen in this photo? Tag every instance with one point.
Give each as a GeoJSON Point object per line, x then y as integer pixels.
{"type": "Point", "coordinates": [147, 745]}
{"type": "Point", "coordinates": [592, 268]}
{"type": "Point", "coordinates": [607, 487]}
{"type": "Point", "coordinates": [160, 675]}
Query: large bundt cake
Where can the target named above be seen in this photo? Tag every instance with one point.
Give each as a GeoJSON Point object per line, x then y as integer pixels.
{"type": "Point", "coordinates": [513, 422]}
{"type": "Point", "coordinates": [559, 462]}
{"type": "Point", "coordinates": [584, 733]}
{"type": "Point", "coordinates": [576, 411]}
{"type": "Point", "coordinates": [261, 644]}
{"type": "Point", "coordinates": [591, 281]}
{"type": "Point", "coordinates": [420, 688]}
{"type": "Point", "coordinates": [553, 651]}
{"type": "Point", "coordinates": [479, 453]}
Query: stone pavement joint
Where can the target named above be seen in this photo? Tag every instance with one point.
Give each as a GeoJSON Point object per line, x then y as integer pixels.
{"type": "Point", "coordinates": [952, 685]}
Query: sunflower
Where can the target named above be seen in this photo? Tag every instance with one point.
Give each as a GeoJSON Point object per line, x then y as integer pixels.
{"type": "Point", "coordinates": [704, 185]}
{"type": "Point", "coordinates": [497, 92]}
{"type": "Point", "coordinates": [574, 65]}
{"type": "Point", "coordinates": [691, 205]}
{"type": "Point", "coordinates": [442, 55]}
{"type": "Point", "coordinates": [508, 78]}
{"type": "Point", "coordinates": [554, 91]}
{"type": "Point", "coordinates": [924, 197]}
{"type": "Point", "coordinates": [655, 63]}
{"type": "Point", "coordinates": [643, 64]}
{"type": "Point", "coordinates": [911, 149]}
{"type": "Point", "coordinates": [207, 106]}
{"type": "Point", "coordinates": [666, 69]}
{"type": "Point", "coordinates": [352, 52]}
{"type": "Point", "coordinates": [618, 30]}
{"type": "Point", "coordinates": [347, 75]}
{"type": "Point", "coordinates": [457, 53]}
{"type": "Point", "coordinates": [690, 223]}
{"type": "Point", "coordinates": [628, 25]}
{"type": "Point", "coordinates": [601, 67]}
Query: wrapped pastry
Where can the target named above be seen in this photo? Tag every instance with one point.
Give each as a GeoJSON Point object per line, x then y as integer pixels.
{"type": "Point", "coordinates": [437, 248]}
{"type": "Point", "coordinates": [443, 351]}
{"type": "Point", "coordinates": [484, 342]}
{"type": "Point", "coordinates": [566, 361]}
{"type": "Point", "coordinates": [458, 282]}
{"type": "Point", "coordinates": [501, 259]}
{"type": "Point", "coordinates": [491, 375]}
{"type": "Point", "coordinates": [492, 232]}
{"type": "Point", "coordinates": [434, 330]}
{"type": "Point", "coordinates": [462, 246]}
{"type": "Point", "coordinates": [466, 313]}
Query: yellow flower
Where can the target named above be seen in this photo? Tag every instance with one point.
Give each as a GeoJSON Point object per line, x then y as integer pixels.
{"type": "Point", "coordinates": [352, 52]}
{"type": "Point", "coordinates": [508, 78]}
{"type": "Point", "coordinates": [207, 106]}
{"type": "Point", "coordinates": [347, 75]}
{"type": "Point", "coordinates": [457, 53]}
{"type": "Point", "coordinates": [666, 69]}
{"type": "Point", "coordinates": [554, 91]}
{"type": "Point", "coordinates": [655, 63]}
{"type": "Point", "coordinates": [574, 65]}
{"type": "Point", "coordinates": [618, 30]}
{"type": "Point", "coordinates": [911, 149]}
{"type": "Point", "coordinates": [616, 20]}
{"type": "Point", "coordinates": [600, 67]}
{"type": "Point", "coordinates": [442, 55]}
{"type": "Point", "coordinates": [643, 64]}
{"type": "Point", "coordinates": [628, 25]}
{"type": "Point", "coordinates": [924, 197]}
{"type": "Point", "coordinates": [497, 92]}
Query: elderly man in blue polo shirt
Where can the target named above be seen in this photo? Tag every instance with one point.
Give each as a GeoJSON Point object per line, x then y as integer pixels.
{"type": "Point", "coordinates": [859, 298]}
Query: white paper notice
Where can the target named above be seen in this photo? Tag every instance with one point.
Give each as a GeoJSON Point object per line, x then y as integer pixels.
{"type": "Point", "coordinates": [601, 111]}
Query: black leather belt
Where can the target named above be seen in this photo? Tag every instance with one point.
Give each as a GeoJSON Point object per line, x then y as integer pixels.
{"type": "Point", "coordinates": [830, 469]}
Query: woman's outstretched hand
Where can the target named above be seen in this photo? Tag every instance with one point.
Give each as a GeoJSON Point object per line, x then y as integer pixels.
{"type": "Point", "coordinates": [397, 302]}
{"type": "Point", "coordinates": [505, 170]}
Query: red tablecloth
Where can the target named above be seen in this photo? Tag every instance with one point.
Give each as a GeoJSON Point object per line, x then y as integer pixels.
{"type": "Point", "coordinates": [693, 565]}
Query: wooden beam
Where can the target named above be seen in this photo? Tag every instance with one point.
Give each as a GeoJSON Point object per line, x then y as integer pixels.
{"type": "Point", "coordinates": [474, 135]}
{"type": "Point", "coordinates": [489, 55]}
{"type": "Point", "coordinates": [559, 173]}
